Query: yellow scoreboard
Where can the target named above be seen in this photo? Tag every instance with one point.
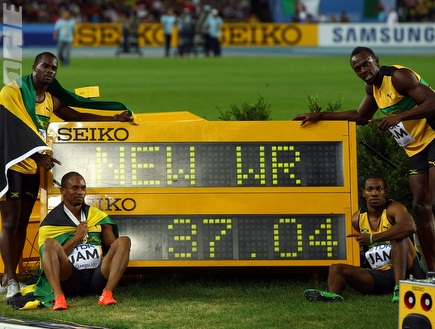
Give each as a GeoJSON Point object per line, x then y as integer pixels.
{"type": "Point", "coordinates": [191, 192]}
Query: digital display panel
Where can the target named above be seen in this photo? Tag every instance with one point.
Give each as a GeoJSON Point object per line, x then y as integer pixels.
{"type": "Point", "coordinates": [237, 237]}
{"type": "Point", "coordinates": [191, 192]}
{"type": "Point", "coordinates": [146, 165]}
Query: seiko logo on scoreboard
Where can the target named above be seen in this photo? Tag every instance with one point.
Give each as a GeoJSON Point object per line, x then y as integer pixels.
{"type": "Point", "coordinates": [112, 204]}
{"type": "Point", "coordinates": [97, 134]}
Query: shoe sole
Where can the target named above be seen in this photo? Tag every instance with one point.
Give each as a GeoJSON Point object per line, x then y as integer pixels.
{"type": "Point", "coordinates": [316, 296]}
{"type": "Point", "coordinates": [60, 307]}
{"type": "Point", "coordinates": [313, 296]}
{"type": "Point", "coordinates": [113, 303]}
{"type": "Point", "coordinates": [10, 295]}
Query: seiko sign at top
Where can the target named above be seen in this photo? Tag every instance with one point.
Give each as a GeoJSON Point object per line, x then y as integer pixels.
{"type": "Point", "coordinates": [92, 134]}
{"type": "Point", "coordinates": [378, 34]}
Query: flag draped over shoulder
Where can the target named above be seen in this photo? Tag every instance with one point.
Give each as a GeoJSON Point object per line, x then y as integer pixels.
{"type": "Point", "coordinates": [19, 137]}
{"type": "Point", "coordinates": [59, 226]}
{"type": "Point", "coordinates": [71, 99]}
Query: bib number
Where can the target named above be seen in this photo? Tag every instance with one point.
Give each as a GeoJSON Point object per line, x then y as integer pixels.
{"type": "Point", "coordinates": [401, 135]}
{"type": "Point", "coordinates": [379, 256]}
{"type": "Point", "coordinates": [85, 256]}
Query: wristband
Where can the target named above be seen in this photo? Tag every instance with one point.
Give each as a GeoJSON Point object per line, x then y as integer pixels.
{"type": "Point", "coordinates": [371, 238]}
{"type": "Point", "coordinates": [115, 117]}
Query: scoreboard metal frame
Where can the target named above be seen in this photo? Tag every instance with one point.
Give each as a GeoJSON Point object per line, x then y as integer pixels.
{"type": "Point", "coordinates": [192, 192]}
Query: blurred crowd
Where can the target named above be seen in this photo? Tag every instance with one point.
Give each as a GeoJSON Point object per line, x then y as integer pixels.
{"type": "Point", "coordinates": [404, 11]}
{"type": "Point", "coordinates": [109, 11]}
{"type": "Point", "coordinates": [416, 10]}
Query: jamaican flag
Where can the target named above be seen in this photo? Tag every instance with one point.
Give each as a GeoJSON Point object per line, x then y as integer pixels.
{"type": "Point", "coordinates": [59, 226]}
{"type": "Point", "coordinates": [19, 136]}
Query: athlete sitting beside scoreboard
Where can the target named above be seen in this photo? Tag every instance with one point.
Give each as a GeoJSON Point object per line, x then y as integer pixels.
{"type": "Point", "coordinates": [80, 249]}
{"type": "Point", "coordinates": [384, 228]}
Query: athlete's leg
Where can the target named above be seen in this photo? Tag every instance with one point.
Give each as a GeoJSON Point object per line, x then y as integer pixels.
{"type": "Point", "coordinates": [57, 267]}
{"type": "Point", "coordinates": [15, 212]}
{"type": "Point", "coordinates": [115, 262]}
{"type": "Point", "coordinates": [424, 218]}
{"type": "Point", "coordinates": [341, 275]}
{"type": "Point", "coordinates": [402, 256]}
{"type": "Point", "coordinates": [15, 218]}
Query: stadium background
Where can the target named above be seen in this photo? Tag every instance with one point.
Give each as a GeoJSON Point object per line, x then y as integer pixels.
{"type": "Point", "coordinates": [275, 27]}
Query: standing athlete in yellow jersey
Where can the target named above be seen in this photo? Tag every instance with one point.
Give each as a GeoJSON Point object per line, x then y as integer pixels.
{"type": "Point", "coordinates": [408, 103]}
{"type": "Point", "coordinates": [26, 106]}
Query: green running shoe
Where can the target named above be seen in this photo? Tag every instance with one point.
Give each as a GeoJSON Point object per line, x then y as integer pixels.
{"type": "Point", "coordinates": [396, 295]}
{"type": "Point", "coordinates": [314, 295]}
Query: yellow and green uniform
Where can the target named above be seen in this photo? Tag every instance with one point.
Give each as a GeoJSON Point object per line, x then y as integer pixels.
{"type": "Point", "coordinates": [23, 120]}
{"type": "Point", "coordinates": [391, 102]}
{"type": "Point", "coordinates": [384, 225]}
{"type": "Point", "coordinates": [58, 225]}
{"type": "Point", "coordinates": [43, 113]}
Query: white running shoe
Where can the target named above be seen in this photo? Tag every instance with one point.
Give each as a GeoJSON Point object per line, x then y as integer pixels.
{"type": "Point", "coordinates": [4, 290]}
{"type": "Point", "coordinates": [13, 288]}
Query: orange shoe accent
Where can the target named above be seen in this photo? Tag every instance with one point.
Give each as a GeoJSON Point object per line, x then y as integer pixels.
{"type": "Point", "coordinates": [60, 303]}
{"type": "Point", "coordinates": [107, 299]}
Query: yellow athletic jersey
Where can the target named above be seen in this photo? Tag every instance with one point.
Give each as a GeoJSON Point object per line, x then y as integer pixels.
{"type": "Point", "coordinates": [418, 133]}
{"type": "Point", "coordinates": [44, 110]}
{"type": "Point", "coordinates": [365, 227]}
{"type": "Point", "coordinates": [384, 225]}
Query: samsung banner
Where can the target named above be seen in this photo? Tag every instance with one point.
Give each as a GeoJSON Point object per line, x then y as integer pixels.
{"type": "Point", "coordinates": [377, 34]}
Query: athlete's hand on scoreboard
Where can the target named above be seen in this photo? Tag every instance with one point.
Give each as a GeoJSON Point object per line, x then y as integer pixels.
{"type": "Point", "coordinates": [308, 117]}
{"type": "Point", "coordinates": [124, 117]}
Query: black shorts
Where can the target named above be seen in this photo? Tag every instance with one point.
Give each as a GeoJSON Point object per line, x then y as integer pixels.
{"type": "Point", "coordinates": [385, 280]}
{"type": "Point", "coordinates": [22, 187]}
{"type": "Point", "coordinates": [422, 161]}
{"type": "Point", "coordinates": [84, 282]}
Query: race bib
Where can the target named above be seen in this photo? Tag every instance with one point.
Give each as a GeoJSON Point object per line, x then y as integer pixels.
{"type": "Point", "coordinates": [401, 135]}
{"type": "Point", "coordinates": [85, 256]}
{"type": "Point", "coordinates": [379, 256]}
